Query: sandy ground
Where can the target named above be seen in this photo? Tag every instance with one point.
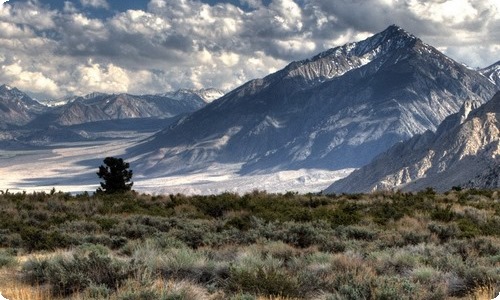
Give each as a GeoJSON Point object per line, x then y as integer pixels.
{"type": "Point", "coordinates": [72, 168]}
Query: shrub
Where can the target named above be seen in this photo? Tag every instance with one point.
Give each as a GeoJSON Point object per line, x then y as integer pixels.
{"type": "Point", "coordinates": [242, 222]}
{"type": "Point", "coordinates": [394, 288]}
{"type": "Point", "coordinates": [97, 291]}
{"type": "Point", "coordinates": [36, 239]}
{"type": "Point", "coordinates": [262, 281]}
{"type": "Point", "coordinates": [468, 228]}
{"type": "Point", "coordinates": [68, 275]}
{"type": "Point", "coordinates": [34, 271]}
{"type": "Point", "coordinates": [301, 235]}
{"type": "Point", "coordinates": [384, 212]}
{"type": "Point", "coordinates": [346, 214]}
{"type": "Point", "coordinates": [470, 279]}
{"type": "Point", "coordinates": [444, 232]}
{"type": "Point", "coordinates": [7, 259]}
{"type": "Point", "coordinates": [133, 230]}
{"type": "Point", "coordinates": [442, 214]}
{"type": "Point", "coordinates": [356, 232]}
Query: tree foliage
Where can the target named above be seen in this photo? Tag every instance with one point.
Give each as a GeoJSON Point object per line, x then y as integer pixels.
{"type": "Point", "coordinates": [116, 175]}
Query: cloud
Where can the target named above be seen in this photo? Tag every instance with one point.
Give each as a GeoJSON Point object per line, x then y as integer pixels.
{"type": "Point", "coordinates": [191, 44]}
{"type": "Point", "coordinates": [95, 3]}
{"type": "Point", "coordinates": [28, 80]}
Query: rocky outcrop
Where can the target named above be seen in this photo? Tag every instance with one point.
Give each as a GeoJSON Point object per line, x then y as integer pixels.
{"type": "Point", "coordinates": [464, 151]}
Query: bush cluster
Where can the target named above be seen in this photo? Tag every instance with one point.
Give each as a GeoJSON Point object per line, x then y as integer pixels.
{"type": "Point", "coordinates": [390, 245]}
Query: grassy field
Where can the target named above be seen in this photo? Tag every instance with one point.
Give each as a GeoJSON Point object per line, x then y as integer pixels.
{"type": "Point", "coordinates": [255, 246]}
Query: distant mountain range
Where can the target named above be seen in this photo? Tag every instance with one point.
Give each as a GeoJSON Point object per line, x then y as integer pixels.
{"type": "Point", "coordinates": [29, 121]}
{"type": "Point", "coordinates": [336, 110]}
{"type": "Point", "coordinates": [100, 107]}
{"type": "Point", "coordinates": [123, 106]}
{"type": "Point", "coordinates": [463, 152]}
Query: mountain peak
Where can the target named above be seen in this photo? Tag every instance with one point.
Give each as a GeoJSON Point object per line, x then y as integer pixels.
{"type": "Point", "coordinates": [396, 30]}
{"type": "Point", "coordinates": [11, 91]}
{"type": "Point", "coordinates": [392, 44]}
{"type": "Point", "coordinates": [392, 35]}
{"type": "Point", "coordinates": [7, 88]}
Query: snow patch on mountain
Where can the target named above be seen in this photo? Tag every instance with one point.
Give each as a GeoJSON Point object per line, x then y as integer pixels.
{"type": "Point", "coordinates": [208, 95]}
{"type": "Point", "coordinates": [492, 73]}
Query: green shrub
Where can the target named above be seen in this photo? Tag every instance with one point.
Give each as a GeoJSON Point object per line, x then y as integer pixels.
{"type": "Point", "coordinates": [7, 258]}
{"type": "Point", "coordinates": [262, 281]}
{"type": "Point", "coordinates": [384, 212]}
{"type": "Point", "coordinates": [34, 271]}
{"type": "Point", "coordinates": [346, 214]}
{"type": "Point", "coordinates": [394, 288]}
{"type": "Point", "coordinates": [241, 222]}
{"type": "Point", "coordinates": [356, 232]}
{"type": "Point", "coordinates": [444, 232]}
{"type": "Point", "coordinates": [301, 235]}
{"type": "Point", "coordinates": [442, 214]}
{"type": "Point", "coordinates": [133, 230]}
{"type": "Point", "coordinates": [468, 229]}
{"type": "Point", "coordinates": [36, 239]}
{"type": "Point", "coordinates": [67, 275]}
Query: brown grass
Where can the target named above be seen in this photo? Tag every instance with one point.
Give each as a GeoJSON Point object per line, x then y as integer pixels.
{"type": "Point", "coordinates": [14, 289]}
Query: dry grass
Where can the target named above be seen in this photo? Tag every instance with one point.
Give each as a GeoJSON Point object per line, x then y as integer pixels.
{"type": "Point", "coordinates": [13, 288]}
{"type": "Point", "coordinates": [483, 293]}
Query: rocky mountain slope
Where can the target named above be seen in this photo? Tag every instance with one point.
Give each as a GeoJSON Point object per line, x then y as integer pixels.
{"type": "Point", "coordinates": [464, 151]}
{"type": "Point", "coordinates": [336, 110]}
{"type": "Point", "coordinates": [17, 108]}
{"type": "Point", "coordinates": [493, 73]}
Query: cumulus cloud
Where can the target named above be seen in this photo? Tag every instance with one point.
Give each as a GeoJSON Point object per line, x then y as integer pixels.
{"type": "Point", "coordinates": [191, 44]}
{"type": "Point", "coordinates": [28, 80]}
{"type": "Point", "coordinates": [95, 3]}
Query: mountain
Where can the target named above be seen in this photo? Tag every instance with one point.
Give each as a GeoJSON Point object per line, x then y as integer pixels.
{"type": "Point", "coordinates": [17, 108]}
{"type": "Point", "coordinates": [100, 107]}
{"type": "Point", "coordinates": [493, 73]}
{"type": "Point", "coordinates": [336, 110]}
{"type": "Point", "coordinates": [208, 95]}
{"type": "Point", "coordinates": [464, 151]}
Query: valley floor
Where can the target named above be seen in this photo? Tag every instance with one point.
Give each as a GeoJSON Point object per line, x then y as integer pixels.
{"type": "Point", "coordinates": [72, 167]}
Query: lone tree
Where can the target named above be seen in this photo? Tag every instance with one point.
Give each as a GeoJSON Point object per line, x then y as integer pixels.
{"type": "Point", "coordinates": [116, 176]}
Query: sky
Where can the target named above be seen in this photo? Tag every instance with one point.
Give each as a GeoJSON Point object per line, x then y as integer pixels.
{"type": "Point", "coordinates": [58, 48]}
